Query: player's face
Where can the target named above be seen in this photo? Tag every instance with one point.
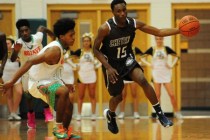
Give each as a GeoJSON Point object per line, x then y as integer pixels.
{"type": "Point", "coordinates": [159, 41]}
{"type": "Point", "coordinates": [120, 12]}
{"type": "Point", "coordinates": [86, 42]}
{"type": "Point", "coordinates": [25, 33]}
{"type": "Point", "coordinates": [68, 39]}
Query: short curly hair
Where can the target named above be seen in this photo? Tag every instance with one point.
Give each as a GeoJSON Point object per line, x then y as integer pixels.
{"type": "Point", "coordinates": [22, 22]}
{"type": "Point", "coordinates": [62, 26]}
{"type": "Point", "coordinates": [114, 2]}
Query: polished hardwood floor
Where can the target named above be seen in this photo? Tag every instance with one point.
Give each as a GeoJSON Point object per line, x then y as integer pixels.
{"type": "Point", "coordinates": [191, 128]}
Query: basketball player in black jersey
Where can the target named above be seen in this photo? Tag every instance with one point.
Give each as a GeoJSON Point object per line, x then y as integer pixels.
{"type": "Point", "coordinates": [3, 53]}
{"type": "Point", "coordinates": [116, 36]}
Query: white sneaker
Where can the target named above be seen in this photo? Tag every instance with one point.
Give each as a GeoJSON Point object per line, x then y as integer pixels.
{"type": "Point", "coordinates": [78, 118]}
{"type": "Point", "coordinates": [93, 117]}
{"type": "Point", "coordinates": [10, 117]}
{"type": "Point", "coordinates": [16, 117]}
{"type": "Point", "coordinates": [121, 115]}
{"type": "Point", "coordinates": [136, 115]}
{"type": "Point", "coordinates": [178, 115]}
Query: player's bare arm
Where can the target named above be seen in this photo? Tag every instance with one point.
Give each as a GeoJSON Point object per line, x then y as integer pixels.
{"type": "Point", "coordinates": [46, 30]}
{"type": "Point", "coordinates": [102, 32]}
{"type": "Point", "coordinates": [50, 56]}
{"type": "Point", "coordinates": [155, 31]}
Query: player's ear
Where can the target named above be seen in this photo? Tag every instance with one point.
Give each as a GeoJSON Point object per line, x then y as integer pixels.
{"type": "Point", "coordinates": [61, 36]}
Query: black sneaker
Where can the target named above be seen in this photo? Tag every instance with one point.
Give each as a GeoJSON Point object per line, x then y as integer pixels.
{"type": "Point", "coordinates": [165, 121]}
{"type": "Point", "coordinates": [111, 121]}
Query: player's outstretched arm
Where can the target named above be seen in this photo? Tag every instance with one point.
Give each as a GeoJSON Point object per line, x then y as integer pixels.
{"type": "Point", "coordinates": [155, 31]}
{"type": "Point", "coordinates": [50, 56]}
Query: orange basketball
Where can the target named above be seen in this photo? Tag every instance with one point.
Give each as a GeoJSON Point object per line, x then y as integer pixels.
{"type": "Point", "coordinates": [189, 26]}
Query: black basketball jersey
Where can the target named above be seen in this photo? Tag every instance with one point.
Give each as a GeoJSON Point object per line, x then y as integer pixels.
{"type": "Point", "coordinates": [117, 46]}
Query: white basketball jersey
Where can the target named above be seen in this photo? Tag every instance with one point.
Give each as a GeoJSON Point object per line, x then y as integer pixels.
{"type": "Point", "coordinates": [30, 48]}
{"type": "Point", "coordinates": [43, 71]}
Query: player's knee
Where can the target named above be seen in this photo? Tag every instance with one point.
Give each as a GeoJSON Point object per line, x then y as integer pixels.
{"type": "Point", "coordinates": [63, 92]}
{"type": "Point", "coordinates": [119, 97]}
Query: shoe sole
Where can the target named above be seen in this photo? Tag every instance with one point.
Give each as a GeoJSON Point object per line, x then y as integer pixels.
{"type": "Point", "coordinates": [31, 127]}
{"type": "Point", "coordinates": [49, 120]}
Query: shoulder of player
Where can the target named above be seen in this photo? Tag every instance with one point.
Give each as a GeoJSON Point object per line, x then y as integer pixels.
{"type": "Point", "coordinates": [139, 24]}
{"type": "Point", "coordinates": [54, 49]}
{"type": "Point", "coordinates": [104, 29]}
{"type": "Point", "coordinates": [38, 34]}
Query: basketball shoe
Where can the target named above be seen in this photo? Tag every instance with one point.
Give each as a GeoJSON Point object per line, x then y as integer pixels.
{"type": "Point", "coordinates": [111, 121]}
{"type": "Point", "coordinates": [164, 120]}
{"type": "Point", "coordinates": [71, 135]}
{"type": "Point", "coordinates": [48, 115]}
{"type": "Point", "coordinates": [31, 120]}
{"type": "Point", "coordinates": [60, 133]}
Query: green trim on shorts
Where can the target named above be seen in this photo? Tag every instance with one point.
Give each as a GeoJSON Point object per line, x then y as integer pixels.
{"type": "Point", "coordinates": [51, 90]}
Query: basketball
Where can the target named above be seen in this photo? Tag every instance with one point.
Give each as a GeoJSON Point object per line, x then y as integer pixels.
{"type": "Point", "coordinates": [189, 26]}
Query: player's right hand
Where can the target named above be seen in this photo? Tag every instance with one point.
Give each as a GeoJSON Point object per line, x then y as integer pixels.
{"type": "Point", "coordinates": [112, 75]}
{"type": "Point", "coordinates": [17, 46]}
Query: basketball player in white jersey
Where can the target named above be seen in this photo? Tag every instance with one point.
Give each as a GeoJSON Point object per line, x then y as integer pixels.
{"type": "Point", "coordinates": [25, 47]}
{"type": "Point", "coordinates": [45, 76]}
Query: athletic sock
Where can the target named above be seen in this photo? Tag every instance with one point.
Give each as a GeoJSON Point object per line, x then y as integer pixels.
{"type": "Point", "coordinates": [158, 109]}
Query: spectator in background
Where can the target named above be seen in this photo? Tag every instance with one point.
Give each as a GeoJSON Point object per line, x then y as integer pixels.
{"type": "Point", "coordinates": [162, 70]}
{"type": "Point", "coordinates": [87, 74]}
{"type": "Point", "coordinates": [14, 94]}
{"type": "Point", "coordinates": [133, 89]}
